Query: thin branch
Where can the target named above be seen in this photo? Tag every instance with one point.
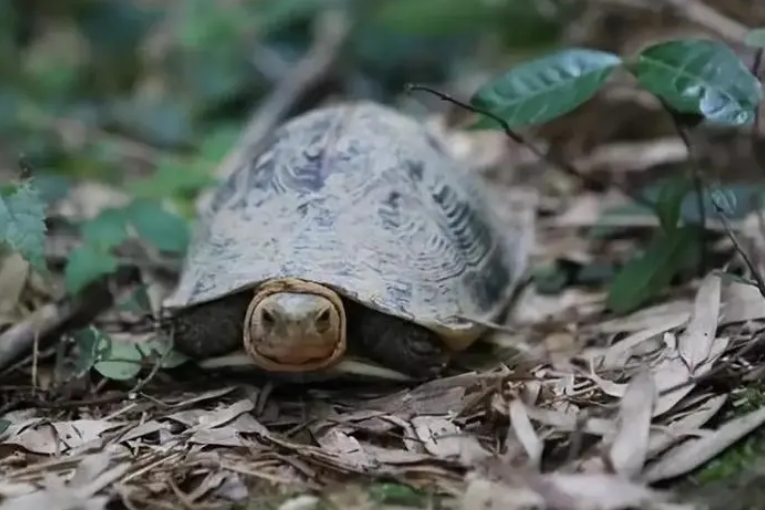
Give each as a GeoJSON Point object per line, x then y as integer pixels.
{"type": "Point", "coordinates": [758, 279]}
{"type": "Point", "coordinates": [757, 124]}
{"type": "Point", "coordinates": [562, 165]}
{"type": "Point", "coordinates": [332, 29]}
{"type": "Point", "coordinates": [701, 186]}
{"type": "Point", "coordinates": [698, 183]}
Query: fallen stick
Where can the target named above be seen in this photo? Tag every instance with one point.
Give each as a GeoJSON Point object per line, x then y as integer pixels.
{"type": "Point", "coordinates": [331, 30]}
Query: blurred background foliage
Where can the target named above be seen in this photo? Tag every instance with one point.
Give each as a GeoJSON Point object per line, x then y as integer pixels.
{"type": "Point", "coordinates": [114, 89]}
{"type": "Point", "coordinates": [148, 95]}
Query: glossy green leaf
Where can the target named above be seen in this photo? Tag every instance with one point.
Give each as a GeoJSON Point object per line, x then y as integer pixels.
{"type": "Point", "coordinates": [700, 76]}
{"type": "Point", "coordinates": [540, 90]}
{"type": "Point", "coordinates": [755, 38]}
{"type": "Point", "coordinates": [649, 273]}
{"type": "Point", "coordinates": [22, 223]}
{"type": "Point", "coordinates": [86, 264]}
{"type": "Point", "coordinates": [165, 230]}
{"type": "Point", "coordinates": [670, 202]}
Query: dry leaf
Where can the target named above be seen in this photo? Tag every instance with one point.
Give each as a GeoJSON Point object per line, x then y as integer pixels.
{"type": "Point", "coordinates": [695, 451]}
{"type": "Point", "coordinates": [629, 447]}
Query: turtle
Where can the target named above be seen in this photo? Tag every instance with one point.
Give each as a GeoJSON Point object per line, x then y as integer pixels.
{"type": "Point", "coordinates": [350, 232]}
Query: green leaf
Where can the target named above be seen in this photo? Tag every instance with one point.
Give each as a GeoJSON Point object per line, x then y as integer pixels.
{"type": "Point", "coordinates": [119, 361]}
{"type": "Point", "coordinates": [167, 231]}
{"type": "Point", "coordinates": [161, 344]}
{"type": "Point", "coordinates": [174, 177]}
{"type": "Point", "coordinates": [647, 274]}
{"type": "Point", "coordinates": [670, 202]}
{"type": "Point", "coordinates": [92, 346]}
{"type": "Point", "coordinates": [106, 231]}
{"type": "Point", "coordinates": [397, 494]}
{"type": "Point", "coordinates": [137, 302]}
{"type": "Point", "coordinates": [755, 38]}
{"type": "Point", "coordinates": [540, 90]}
{"type": "Point", "coordinates": [22, 224]}
{"type": "Point", "coordinates": [85, 265]}
{"type": "Point", "coordinates": [700, 76]}
{"type": "Point", "coordinates": [123, 362]}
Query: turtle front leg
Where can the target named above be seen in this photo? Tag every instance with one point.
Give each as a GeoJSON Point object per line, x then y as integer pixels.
{"type": "Point", "coordinates": [395, 343]}
{"type": "Point", "coordinates": [211, 329]}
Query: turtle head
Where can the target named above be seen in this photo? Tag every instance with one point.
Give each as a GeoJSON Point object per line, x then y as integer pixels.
{"type": "Point", "coordinates": [294, 327]}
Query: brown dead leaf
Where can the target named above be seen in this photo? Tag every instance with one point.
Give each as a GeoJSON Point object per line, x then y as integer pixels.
{"type": "Point", "coordinates": [681, 427]}
{"type": "Point", "coordinates": [522, 431]}
{"type": "Point", "coordinates": [741, 302]}
{"type": "Point", "coordinates": [695, 344]}
{"type": "Point", "coordinates": [58, 437]}
{"type": "Point", "coordinates": [629, 447]}
{"type": "Point", "coordinates": [444, 440]}
{"type": "Point", "coordinates": [677, 312]}
{"type": "Point", "coordinates": [695, 451]}
{"type": "Point", "coordinates": [336, 442]}
{"type": "Point", "coordinates": [81, 492]}
{"type": "Point", "coordinates": [14, 272]}
{"type": "Point", "coordinates": [560, 491]}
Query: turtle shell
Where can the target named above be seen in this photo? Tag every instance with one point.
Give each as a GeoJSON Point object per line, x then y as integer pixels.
{"type": "Point", "coordinates": [367, 201]}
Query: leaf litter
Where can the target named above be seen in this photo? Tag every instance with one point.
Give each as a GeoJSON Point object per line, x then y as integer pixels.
{"type": "Point", "coordinates": [573, 409]}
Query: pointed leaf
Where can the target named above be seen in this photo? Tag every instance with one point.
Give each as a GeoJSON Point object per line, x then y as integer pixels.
{"type": "Point", "coordinates": [540, 90]}
{"type": "Point", "coordinates": [123, 362]}
{"type": "Point", "coordinates": [670, 202]}
{"type": "Point", "coordinates": [107, 230]}
{"type": "Point", "coordinates": [650, 272]}
{"type": "Point", "coordinates": [700, 76]}
{"type": "Point", "coordinates": [167, 231]}
{"type": "Point", "coordinates": [22, 223]}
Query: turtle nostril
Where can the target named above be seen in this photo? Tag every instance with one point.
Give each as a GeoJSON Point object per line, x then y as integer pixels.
{"type": "Point", "coordinates": [323, 320]}
{"type": "Point", "coordinates": [267, 318]}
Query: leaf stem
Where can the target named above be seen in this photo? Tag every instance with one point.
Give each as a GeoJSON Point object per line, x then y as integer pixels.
{"type": "Point", "coordinates": [562, 165]}
{"type": "Point", "coordinates": [698, 184]}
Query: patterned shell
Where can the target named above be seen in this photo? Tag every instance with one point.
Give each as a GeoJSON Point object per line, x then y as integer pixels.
{"type": "Point", "coordinates": [367, 201]}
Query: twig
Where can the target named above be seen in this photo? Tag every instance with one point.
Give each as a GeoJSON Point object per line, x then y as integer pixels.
{"type": "Point", "coordinates": [758, 279]}
{"type": "Point", "coordinates": [564, 166]}
{"type": "Point", "coordinates": [757, 124]}
{"type": "Point", "coordinates": [20, 338]}
{"type": "Point", "coordinates": [332, 28]}
{"type": "Point", "coordinates": [696, 379]}
{"type": "Point", "coordinates": [698, 183]}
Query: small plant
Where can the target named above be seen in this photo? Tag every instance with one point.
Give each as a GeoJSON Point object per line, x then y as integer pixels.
{"type": "Point", "coordinates": [695, 79]}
